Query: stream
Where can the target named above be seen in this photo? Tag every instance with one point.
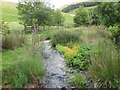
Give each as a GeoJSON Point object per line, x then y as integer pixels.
{"type": "Point", "coordinates": [54, 62]}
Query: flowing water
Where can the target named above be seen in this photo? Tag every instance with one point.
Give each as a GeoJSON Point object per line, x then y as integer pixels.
{"type": "Point", "coordinates": [54, 62]}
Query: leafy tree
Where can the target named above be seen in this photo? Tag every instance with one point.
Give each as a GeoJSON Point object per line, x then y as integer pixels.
{"type": "Point", "coordinates": [110, 13]}
{"type": "Point", "coordinates": [25, 10]}
{"type": "Point", "coordinates": [58, 18]}
{"type": "Point", "coordinates": [82, 16]}
{"type": "Point", "coordinates": [110, 16]}
{"type": "Point", "coordinates": [94, 16]}
{"type": "Point", "coordinates": [38, 13]}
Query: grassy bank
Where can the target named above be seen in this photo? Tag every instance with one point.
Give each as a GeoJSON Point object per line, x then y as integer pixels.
{"type": "Point", "coordinates": [22, 66]}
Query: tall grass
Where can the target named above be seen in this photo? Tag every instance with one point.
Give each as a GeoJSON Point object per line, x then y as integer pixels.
{"type": "Point", "coordinates": [79, 81]}
{"type": "Point", "coordinates": [14, 39]}
{"type": "Point", "coordinates": [105, 64]}
{"type": "Point", "coordinates": [26, 66]}
{"type": "Point", "coordinates": [63, 37]}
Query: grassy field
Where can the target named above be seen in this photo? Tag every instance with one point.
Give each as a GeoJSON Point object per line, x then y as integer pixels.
{"type": "Point", "coordinates": [9, 12]}
{"type": "Point", "coordinates": [68, 19]}
{"type": "Point", "coordinates": [72, 11]}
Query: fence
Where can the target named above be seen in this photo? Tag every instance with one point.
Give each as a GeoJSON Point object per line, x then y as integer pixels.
{"type": "Point", "coordinates": [28, 29]}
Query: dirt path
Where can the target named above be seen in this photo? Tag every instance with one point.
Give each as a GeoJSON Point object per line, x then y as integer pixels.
{"type": "Point", "coordinates": [54, 62]}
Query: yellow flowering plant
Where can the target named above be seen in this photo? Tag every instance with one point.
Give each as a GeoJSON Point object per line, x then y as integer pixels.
{"type": "Point", "coordinates": [77, 56]}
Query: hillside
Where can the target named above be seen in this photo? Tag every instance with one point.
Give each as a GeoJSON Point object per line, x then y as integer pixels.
{"type": "Point", "coordinates": [68, 19]}
{"type": "Point", "coordinates": [73, 6]}
{"type": "Point", "coordinates": [9, 12]}
{"type": "Point", "coordinates": [74, 10]}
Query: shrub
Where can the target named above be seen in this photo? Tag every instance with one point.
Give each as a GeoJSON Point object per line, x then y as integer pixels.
{"type": "Point", "coordinates": [63, 37]}
{"type": "Point", "coordinates": [104, 69]}
{"type": "Point", "coordinates": [80, 59]}
{"type": "Point", "coordinates": [13, 39]}
{"type": "Point", "coordinates": [79, 81]}
{"type": "Point", "coordinates": [82, 16]}
{"type": "Point", "coordinates": [115, 33]}
{"type": "Point", "coordinates": [77, 56]}
{"type": "Point", "coordinates": [4, 28]}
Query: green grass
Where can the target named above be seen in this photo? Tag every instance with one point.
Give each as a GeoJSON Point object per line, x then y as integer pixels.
{"type": "Point", "coordinates": [68, 19]}
{"type": "Point", "coordinates": [104, 69]}
{"type": "Point", "coordinates": [7, 59]}
{"type": "Point", "coordinates": [92, 7]}
{"type": "Point", "coordinates": [73, 11]}
{"type": "Point", "coordinates": [79, 81]}
{"type": "Point", "coordinates": [9, 12]}
{"type": "Point", "coordinates": [21, 67]}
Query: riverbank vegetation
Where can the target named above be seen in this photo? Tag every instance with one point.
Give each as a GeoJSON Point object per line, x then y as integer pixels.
{"type": "Point", "coordinates": [89, 41]}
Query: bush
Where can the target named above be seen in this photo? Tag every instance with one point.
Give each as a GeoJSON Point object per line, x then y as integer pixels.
{"type": "Point", "coordinates": [82, 16]}
{"type": "Point", "coordinates": [104, 69]}
{"type": "Point", "coordinates": [4, 28]}
{"type": "Point", "coordinates": [13, 39]}
{"type": "Point", "coordinates": [115, 33]}
{"type": "Point", "coordinates": [63, 37]}
{"type": "Point", "coordinates": [79, 81]}
{"type": "Point", "coordinates": [77, 56]}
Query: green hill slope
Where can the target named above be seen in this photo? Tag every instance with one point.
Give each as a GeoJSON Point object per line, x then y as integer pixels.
{"type": "Point", "coordinates": [68, 19]}
{"type": "Point", "coordinates": [70, 15]}
{"type": "Point", "coordinates": [9, 12]}
{"type": "Point", "coordinates": [73, 11]}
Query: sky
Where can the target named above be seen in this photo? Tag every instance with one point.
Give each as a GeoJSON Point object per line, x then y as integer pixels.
{"type": "Point", "coordinates": [56, 3]}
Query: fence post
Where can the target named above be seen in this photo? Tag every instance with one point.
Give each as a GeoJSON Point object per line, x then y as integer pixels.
{"type": "Point", "coordinates": [25, 28]}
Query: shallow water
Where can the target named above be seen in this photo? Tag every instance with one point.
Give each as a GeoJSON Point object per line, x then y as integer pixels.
{"type": "Point", "coordinates": [54, 62]}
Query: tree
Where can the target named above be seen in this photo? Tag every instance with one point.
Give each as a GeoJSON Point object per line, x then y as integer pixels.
{"type": "Point", "coordinates": [110, 13]}
{"type": "Point", "coordinates": [38, 13]}
{"type": "Point", "coordinates": [94, 16]}
{"type": "Point", "coordinates": [82, 16]}
{"type": "Point", "coordinates": [58, 18]}
{"type": "Point", "coordinates": [34, 13]}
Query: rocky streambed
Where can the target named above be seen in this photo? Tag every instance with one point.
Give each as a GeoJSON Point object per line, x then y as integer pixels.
{"type": "Point", "coordinates": [54, 62]}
